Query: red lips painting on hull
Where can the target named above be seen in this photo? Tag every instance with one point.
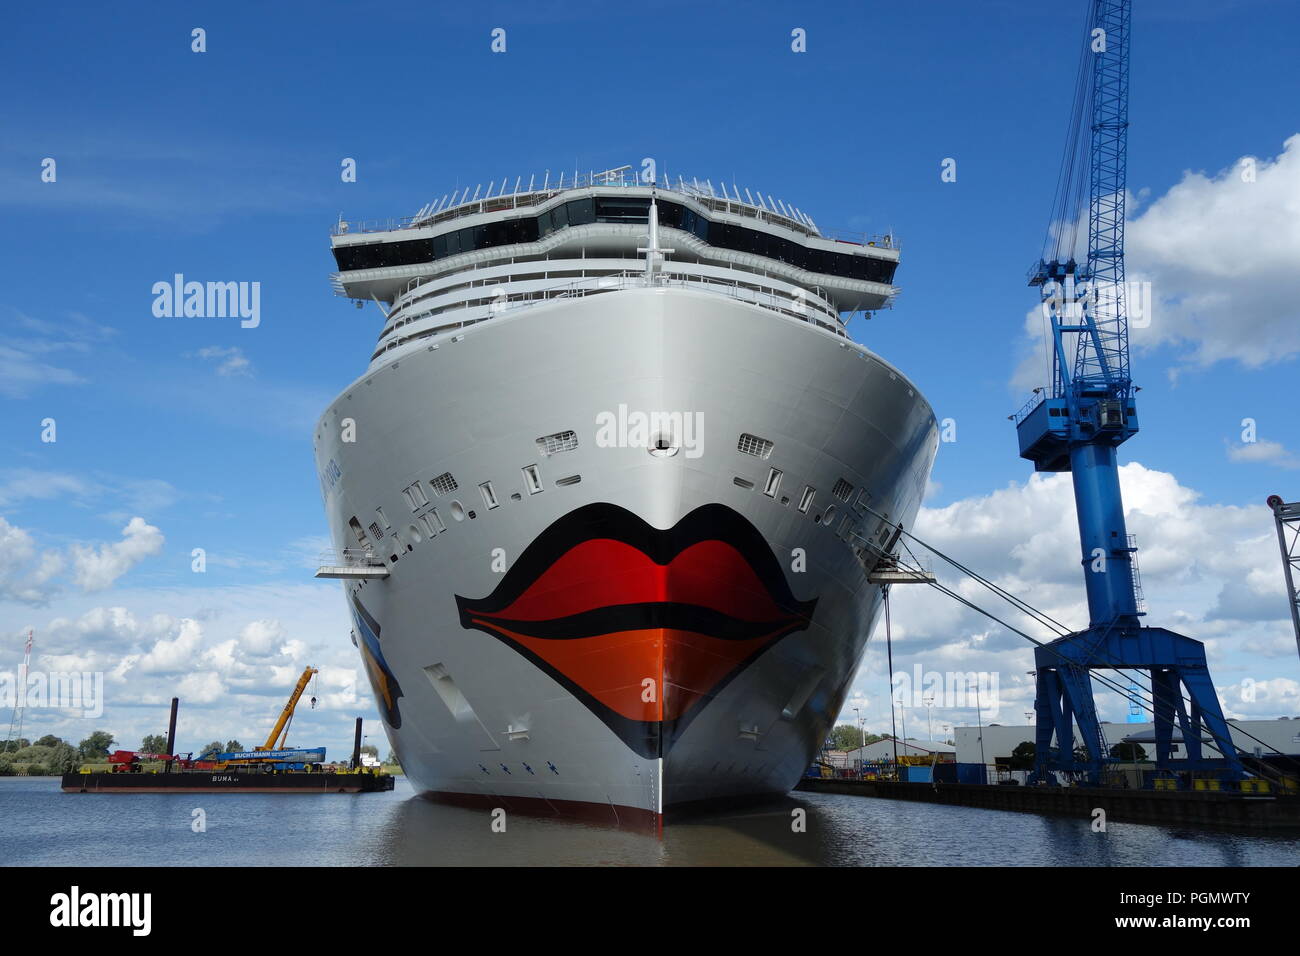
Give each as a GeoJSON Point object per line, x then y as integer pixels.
{"type": "Point", "coordinates": [643, 626]}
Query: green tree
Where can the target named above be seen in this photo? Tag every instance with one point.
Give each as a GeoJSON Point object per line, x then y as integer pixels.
{"type": "Point", "coordinates": [153, 744]}
{"type": "Point", "coordinates": [64, 758]}
{"type": "Point", "coordinates": [34, 754]}
{"type": "Point", "coordinates": [1022, 758]}
{"type": "Point", "coordinates": [212, 748]}
{"type": "Point", "coordinates": [392, 760]}
{"type": "Point", "coordinates": [37, 770]}
{"type": "Point", "coordinates": [15, 745]}
{"type": "Point", "coordinates": [49, 740]}
{"type": "Point", "coordinates": [96, 746]}
{"type": "Point", "coordinates": [371, 749]}
{"type": "Point", "coordinates": [1128, 751]}
{"type": "Point", "coordinates": [233, 745]}
{"type": "Point", "coordinates": [846, 737]}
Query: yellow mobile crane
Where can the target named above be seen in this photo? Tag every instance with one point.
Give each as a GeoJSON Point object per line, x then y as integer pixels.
{"type": "Point", "coordinates": [286, 715]}
{"type": "Point", "coordinates": [269, 753]}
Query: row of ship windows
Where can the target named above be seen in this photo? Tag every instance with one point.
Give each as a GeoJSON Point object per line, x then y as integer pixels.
{"type": "Point", "coordinates": [444, 484]}
{"type": "Point", "coordinates": [432, 523]}
{"type": "Point", "coordinates": [842, 491]}
{"type": "Point", "coordinates": [807, 309]}
{"type": "Point", "coordinates": [612, 209]}
{"type": "Point", "coordinates": [495, 292]}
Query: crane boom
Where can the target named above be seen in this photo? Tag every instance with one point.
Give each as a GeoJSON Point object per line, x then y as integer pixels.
{"type": "Point", "coordinates": [287, 714]}
{"type": "Point", "coordinates": [1101, 362]}
{"type": "Point", "coordinates": [1090, 409]}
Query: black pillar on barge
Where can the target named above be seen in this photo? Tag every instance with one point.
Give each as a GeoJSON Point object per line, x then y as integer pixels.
{"type": "Point", "coordinates": [171, 734]}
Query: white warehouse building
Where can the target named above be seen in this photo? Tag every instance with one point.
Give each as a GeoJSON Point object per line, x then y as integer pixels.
{"type": "Point", "coordinates": [986, 744]}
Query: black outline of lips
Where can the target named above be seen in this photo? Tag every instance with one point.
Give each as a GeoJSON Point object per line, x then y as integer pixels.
{"type": "Point", "coordinates": [712, 522]}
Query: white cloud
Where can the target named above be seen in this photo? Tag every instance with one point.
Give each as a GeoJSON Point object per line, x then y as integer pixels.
{"type": "Point", "coordinates": [202, 687]}
{"type": "Point", "coordinates": [1221, 254]}
{"type": "Point", "coordinates": [26, 575]}
{"type": "Point", "coordinates": [229, 361]}
{"type": "Point", "coordinates": [97, 567]}
{"type": "Point", "coordinates": [19, 486]}
{"type": "Point", "coordinates": [25, 484]}
{"type": "Point", "coordinates": [29, 341]}
{"type": "Point", "coordinates": [262, 637]}
{"type": "Point", "coordinates": [1262, 698]}
{"type": "Point", "coordinates": [1263, 452]}
{"type": "Point", "coordinates": [174, 654]}
{"type": "Point", "coordinates": [226, 690]}
{"type": "Point", "coordinates": [22, 373]}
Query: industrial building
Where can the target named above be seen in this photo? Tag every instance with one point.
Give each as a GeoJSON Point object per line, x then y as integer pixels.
{"type": "Point", "coordinates": [993, 743]}
{"type": "Point", "coordinates": [884, 750]}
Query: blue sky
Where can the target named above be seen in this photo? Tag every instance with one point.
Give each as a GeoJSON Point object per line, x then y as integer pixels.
{"type": "Point", "coordinates": [224, 165]}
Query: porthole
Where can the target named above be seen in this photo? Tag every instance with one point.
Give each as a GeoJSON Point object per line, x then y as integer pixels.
{"type": "Point", "coordinates": [663, 446]}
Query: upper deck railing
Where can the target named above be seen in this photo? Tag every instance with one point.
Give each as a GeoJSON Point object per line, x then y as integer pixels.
{"type": "Point", "coordinates": [499, 197]}
{"type": "Point", "coordinates": [1031, 405]}
{"type": "Point", "coordinates": [491, 306]}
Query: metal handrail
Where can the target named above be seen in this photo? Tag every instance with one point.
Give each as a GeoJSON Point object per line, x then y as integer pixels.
{"type": "Point", "coordinates": [621, 281]}
{"type": "Point", "coordinates": [816, 301]}
{"type": "Point", "coordinates": [348, 558]}
{"type": "Point", "coordinates": [1030, 406]}
{"type": "Point", "coordinates": [700, 191]}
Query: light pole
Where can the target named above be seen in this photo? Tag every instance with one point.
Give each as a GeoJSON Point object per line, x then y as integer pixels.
{"type": "Point", "coordinates": [862, 730]}
{"type": "Point", "coordinates": [929, 722]}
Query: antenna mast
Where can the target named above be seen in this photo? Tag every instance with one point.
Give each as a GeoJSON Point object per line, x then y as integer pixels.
{"type": "Point", "coordinates": [20, 697]}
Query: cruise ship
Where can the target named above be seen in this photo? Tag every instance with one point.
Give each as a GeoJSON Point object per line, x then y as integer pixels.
{"type": "Point", "coordinates": [607, 500]}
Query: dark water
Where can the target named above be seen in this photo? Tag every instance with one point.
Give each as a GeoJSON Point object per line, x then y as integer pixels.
{"type": "Point", "coordinates": [40, 825]}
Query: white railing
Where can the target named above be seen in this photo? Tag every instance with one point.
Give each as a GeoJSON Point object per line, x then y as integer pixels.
{"type": "Point", "coordinates": [734, 199]}
{"type": "Point", "coordinates": [349, 558]}
{"type": "Point", "coordinates": [776, 292]}
{"type": "Point", "coordinates": [490, 307]}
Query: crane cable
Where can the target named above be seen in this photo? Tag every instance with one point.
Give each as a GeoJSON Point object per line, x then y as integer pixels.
{"type": "Point", "coordinates": [1067, 198]}
{"type": "Point", "coordinates": [1148, 703]}
{"type": "Point", "coordinates": [889, 647]}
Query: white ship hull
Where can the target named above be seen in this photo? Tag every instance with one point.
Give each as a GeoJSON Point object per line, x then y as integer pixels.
{"type": "Point", "coordinates": [655, 633]}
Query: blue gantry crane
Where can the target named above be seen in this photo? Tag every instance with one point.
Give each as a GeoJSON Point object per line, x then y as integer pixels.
{"type": "Point", "coordinates": [1077, 425]}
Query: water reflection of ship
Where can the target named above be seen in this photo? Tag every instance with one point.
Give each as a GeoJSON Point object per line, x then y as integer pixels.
{"type": "Point", "coordinates": [420, 832]}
